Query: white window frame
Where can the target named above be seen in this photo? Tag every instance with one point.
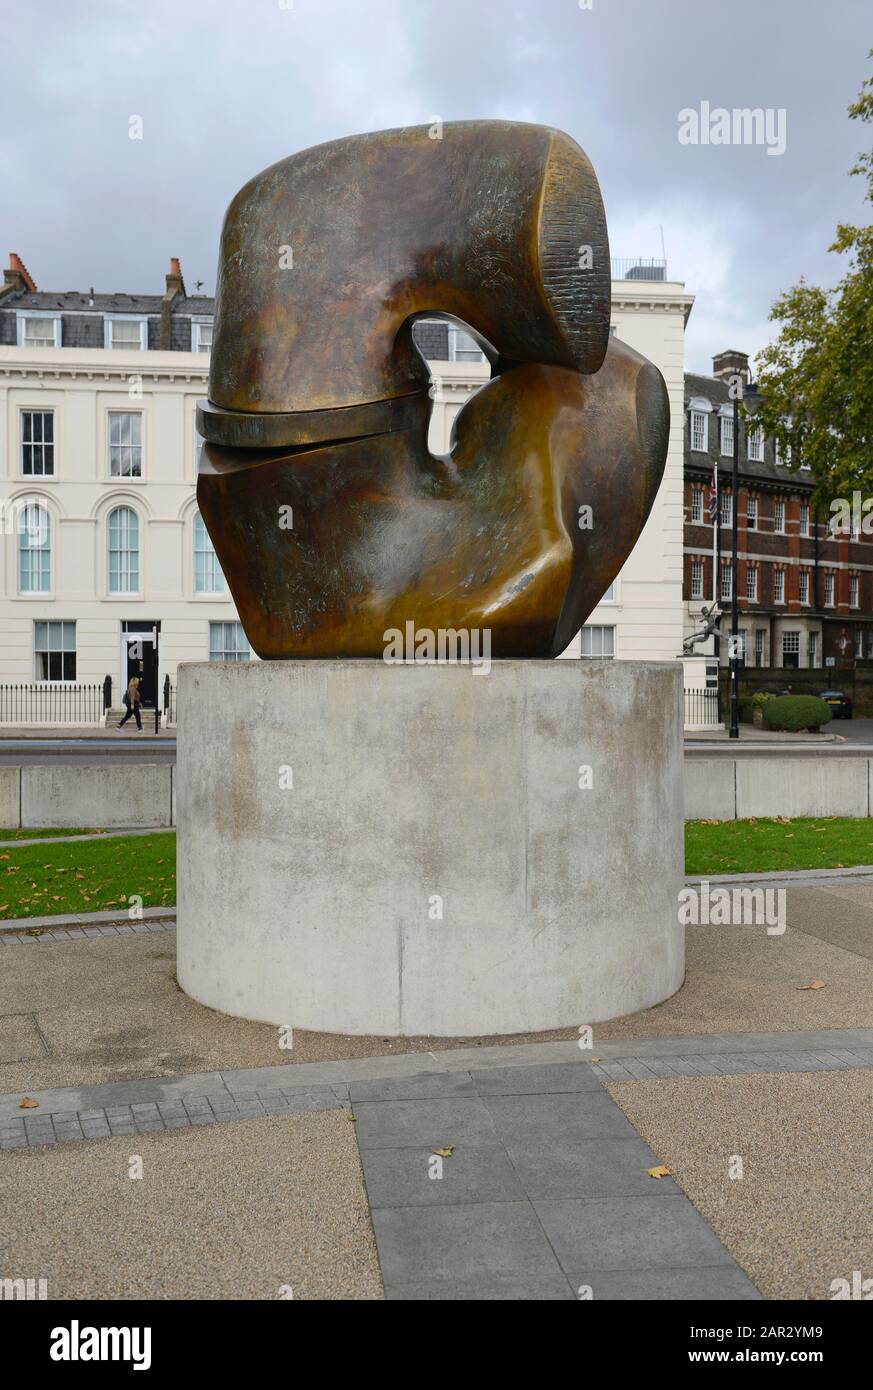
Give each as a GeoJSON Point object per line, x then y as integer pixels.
{"type": "Point", "coordinates": [125, 477]}
{"type": "Point", "coordinates": [124, 593]}
{"type": "Point", "coordinates": [725, 429]}
{"type": "Point", "coordinates": [61, 680]}
{"type": "Point", "coordinates": [778, 586]}
{"type": "Point", "coordinates": [198, 528]}
{"type": "Point", "coordinates": [726, 508]}
{"type": "Point", "coordinates": [803, 586]}
{"type": "Point", "coordinates": [779, 516]}
{"type": "Point", "coordinates": [110, 319]}
{"type": "Point", "coordinates": [812, 648]}
{"type": "Point", "coordinates": [198, 323]}
{"type": "Point", "coordinates": [237, 651]}
{"type": "Point", "coordinates": [854, 591]}
{"type": "Point", "coordinates": [455, 332]}
{"type": "Point", "coordinates": [700, 429]}
{"type": "Point", "coordinates": [726, 581]}
{"type": "Point", "coordinates": [755, 443]}
{"type": "Point", "coordinates": [804, 518]}
{"type": "Point", "coordinates": [601, 629]}
{"type": "Point", "coordinates": [697, 579]}
{"type": "Point", "coordinates": [699, 409]}
{"type": "Point", "coordinates": [752, 513]}
{"type": "Point", "coordinates": [698, 506]}
{"type": "Point", "coordinates": [752, 584]}
{"type": "Point", "coordinates": [829, 588]}
{"type": "Point", "coordinates": [23, 314]}
{"type": "Point", "coordinates": [36, 410]}
{"type": "Point", "coordinates": [46, 547]}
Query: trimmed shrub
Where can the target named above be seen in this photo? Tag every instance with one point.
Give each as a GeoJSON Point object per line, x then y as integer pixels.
{"type": "Point", "coordinates": [762, 697]}
{"type": "Point", "coordinates": [793, 712]}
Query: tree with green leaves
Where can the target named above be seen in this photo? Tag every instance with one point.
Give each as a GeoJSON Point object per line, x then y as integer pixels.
{"type": "Point", "coordinates": [816, 380]}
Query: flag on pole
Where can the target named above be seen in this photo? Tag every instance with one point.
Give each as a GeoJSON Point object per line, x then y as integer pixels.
{"type": "Point", "coordinates": [713, 497]}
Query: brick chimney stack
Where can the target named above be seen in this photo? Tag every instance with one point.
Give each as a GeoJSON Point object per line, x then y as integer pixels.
{"type": "Point", "coordinates": [175, 287]}
{"type": "Point", "coordinates": [17, 277]}
{"type": "Point", "coordinates": [731, 363]}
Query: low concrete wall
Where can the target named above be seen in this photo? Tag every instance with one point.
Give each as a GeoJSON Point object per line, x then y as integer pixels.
{"type": "Point", "coordinates": [103, 795]}
{"type": "Point", "coordinates": [398, 850]}
{"type": "Point", "coordinates": [10, 798]}
{"type": "Point", "coordinates": [823, 784]}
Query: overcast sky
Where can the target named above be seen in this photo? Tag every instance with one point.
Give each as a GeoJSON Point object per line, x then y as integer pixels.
{"type": "Point", "coordinates": [226, 87]}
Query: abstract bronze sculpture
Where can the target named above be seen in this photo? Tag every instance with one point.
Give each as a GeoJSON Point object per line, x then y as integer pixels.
{"type": "Point", "coordinates": [332, 521]}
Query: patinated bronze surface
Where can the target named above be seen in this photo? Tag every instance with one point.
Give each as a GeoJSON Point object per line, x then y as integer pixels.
{"type": "Point", "coordinates": [319, 401]}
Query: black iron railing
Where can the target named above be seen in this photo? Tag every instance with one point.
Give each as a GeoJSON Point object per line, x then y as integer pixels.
{"type": "Point", "coordinates": [51, 703]}
{"type": "Point", "coordinates": [638, 268]}
{"type": "Point", "coordinates": [169, 701]}
{"type": "Point", "coordinates": [701, 707]}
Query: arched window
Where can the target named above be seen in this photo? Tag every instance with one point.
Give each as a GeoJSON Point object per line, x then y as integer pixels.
{"type": "Point", "coordinates": [123, 551]}
{"type": "Point", "coordinates": [34, 549]}
{"type": "Point", "coordinates": [208, 578]}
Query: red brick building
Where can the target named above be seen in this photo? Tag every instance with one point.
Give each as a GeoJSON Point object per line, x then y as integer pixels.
{"type": "Point", "coordinates": [805, 584]}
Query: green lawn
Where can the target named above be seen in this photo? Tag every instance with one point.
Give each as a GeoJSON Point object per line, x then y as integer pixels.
{"type": "Point", "coordinates": [45, 834]}
{"type": "Point", "coordinates": [89, 876]}
{"type": "Point", "coordinates": [758, 846]}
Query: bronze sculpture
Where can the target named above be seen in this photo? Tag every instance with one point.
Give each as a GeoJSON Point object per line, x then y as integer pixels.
{"type": "Point", "coordinates": [332, 521]}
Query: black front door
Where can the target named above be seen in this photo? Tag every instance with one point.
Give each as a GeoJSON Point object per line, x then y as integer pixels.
{"type": "Point", "coordinates": [141, 662]}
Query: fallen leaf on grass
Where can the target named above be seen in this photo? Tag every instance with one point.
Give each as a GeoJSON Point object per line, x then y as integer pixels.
{"type": "Point", "coordinates": [27, 1104]}
{"type": "Point", "coordinates": [816, 984]}
{"type": "Point", "coordinates": [661, 1171]}
{"type": "Point", "coordinates": [446, 1152]}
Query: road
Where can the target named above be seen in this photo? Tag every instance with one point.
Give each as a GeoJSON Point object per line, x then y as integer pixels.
{"type": "Point", "coordinates": [140, 748]}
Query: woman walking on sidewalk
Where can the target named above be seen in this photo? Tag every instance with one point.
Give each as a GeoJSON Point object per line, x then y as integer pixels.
{"type": "Point", "coordinates": [133, 700]}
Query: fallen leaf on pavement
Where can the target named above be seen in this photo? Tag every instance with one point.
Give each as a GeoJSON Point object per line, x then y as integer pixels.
{"type": "Point", "coordinates": [661, 1171]}
{"type": "Point", "coordinates": [816, 984]}
{"type": "Point", "coordinates": [27, 1104]}
{"type": "Point", "coordinates": [446, 1152]}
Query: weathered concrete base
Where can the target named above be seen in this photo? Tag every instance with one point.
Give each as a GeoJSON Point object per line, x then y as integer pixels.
{"type": "Point", "coordinates": [400, 850]}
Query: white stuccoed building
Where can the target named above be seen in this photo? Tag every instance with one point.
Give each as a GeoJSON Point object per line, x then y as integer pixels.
{"type": "Point", "coordinates": [105, 567]}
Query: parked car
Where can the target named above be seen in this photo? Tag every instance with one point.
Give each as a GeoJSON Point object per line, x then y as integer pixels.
{"type": "Point", "coordinates": [839, 701]}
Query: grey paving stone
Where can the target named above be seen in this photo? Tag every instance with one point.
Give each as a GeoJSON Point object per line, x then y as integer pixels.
{"type": "Point", "coordinates": [196, 1105]}
{"type": "Point", "coordinates": [488, 1250]}
{"type": "Point", "coordinates": [119, 1112]}
{"type": "Point", "coordinates": [96, 1129]}
{"type": "Point", "coordinates": [482, 1288]}
{"type": "Point", "coordinates": [426, 1086]}
{"type": "Point", "coordinates": [552, 1166]}
{"type": "Point", "coordinates": [122, 1126]}
{"type": "Point", "coordinates": [614, 1071]}
{"type": "Point", "coordinates": [547, 1080]}
{"type": "Point", "coordinates": [36, 1140]}
{"type": "Point", "coordinates": [630, 1233]}
{"type": "Point", "coordinates": [13, 1141]}
{"type": "Point", "coordinates": [423, 1123]}
{"type": "Point", "coordinates": [68, 1132]}
{"type": "Point", "coordinates": [202, 1119]}
{"type": "Point", "coordinates": [560, 1119]}
{"type": "Point", "coordinates": [141, 1109]}
{"type": "Point", "coordinates": [177, 1122]}
{"type": "Point", "coordinates": [706, 1283]}
{"type": "Point", "coordinates": [401, 1177]}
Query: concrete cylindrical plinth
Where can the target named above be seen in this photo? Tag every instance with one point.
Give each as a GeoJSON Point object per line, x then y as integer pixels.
{"type": "Point", "coordinates": [408, 849]}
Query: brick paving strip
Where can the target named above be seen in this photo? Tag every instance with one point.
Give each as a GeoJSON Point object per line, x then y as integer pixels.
{"type": "Point", "coordinates": [546, 1190]}
{"type": "Point", "coordinates": [79, 926]}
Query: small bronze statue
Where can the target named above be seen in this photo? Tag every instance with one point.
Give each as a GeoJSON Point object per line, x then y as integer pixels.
{"type": "Point", "coordinates": [331, 520]}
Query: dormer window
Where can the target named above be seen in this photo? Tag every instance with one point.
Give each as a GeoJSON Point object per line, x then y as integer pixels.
{"type": "Point", "coordinates": [126, 331]}
{"type": "Point", "coordinates": [201, 335]}
{"type": "Point", "coordinates": [699, 413]}
{"type": "Point", "coordinates": [39, 330]}
{"type": "Point", "coordinates": [726, 427]}
{"type": "Point", "coordinates": [755, 441]}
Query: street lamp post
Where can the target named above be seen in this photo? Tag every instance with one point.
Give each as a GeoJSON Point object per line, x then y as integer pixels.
{"type": "Point", "coordinates": [735, 612]}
